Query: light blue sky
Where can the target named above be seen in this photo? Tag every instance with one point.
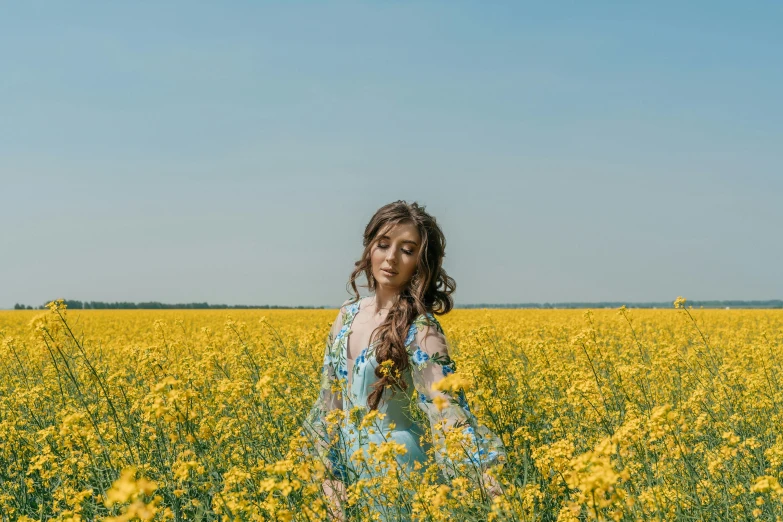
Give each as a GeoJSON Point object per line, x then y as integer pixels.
{"type": "Point", "coordinates": [233, 152]}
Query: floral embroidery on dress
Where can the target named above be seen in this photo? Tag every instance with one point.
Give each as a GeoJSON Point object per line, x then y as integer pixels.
{"type": "Point", "coordinates": [411, 335]}
{"type": "Point", "coordinates": [361, 358]}
{"type": "Point", "coordinates": [420, 356]}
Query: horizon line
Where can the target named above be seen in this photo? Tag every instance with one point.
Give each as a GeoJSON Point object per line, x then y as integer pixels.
{"type": "Point", "coordinates": [203, 305]}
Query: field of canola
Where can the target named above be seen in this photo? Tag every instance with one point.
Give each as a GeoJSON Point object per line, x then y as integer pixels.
{"type": "Point", "coordinates": [196, 415]}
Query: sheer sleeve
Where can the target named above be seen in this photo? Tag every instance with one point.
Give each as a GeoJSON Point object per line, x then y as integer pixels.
{"type": "Point", "coordinates": [316, 425]}
{"type": "Point", "coordinates": [472, 448]}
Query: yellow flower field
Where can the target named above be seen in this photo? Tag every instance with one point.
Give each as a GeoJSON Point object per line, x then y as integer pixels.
{"type": "Point", "coordinates": [196, 415]}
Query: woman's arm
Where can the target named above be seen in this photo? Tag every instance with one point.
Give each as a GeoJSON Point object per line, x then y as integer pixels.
{"type": "Point", "coordinates": [473, 449]}
{"type": "Point", "coordinates": [335, 494]}
{"type": "Point", "coordinates": [316, 425]}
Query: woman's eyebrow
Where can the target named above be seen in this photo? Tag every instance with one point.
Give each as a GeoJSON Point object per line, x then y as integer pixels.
{"type": "Point", "coordinates": [404, 240]}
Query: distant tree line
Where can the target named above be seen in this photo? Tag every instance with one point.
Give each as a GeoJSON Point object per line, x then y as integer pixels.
{"type": "Point", "coordinates": [772, 303]}
{"type": "Point", "coordinates": [154, 305]}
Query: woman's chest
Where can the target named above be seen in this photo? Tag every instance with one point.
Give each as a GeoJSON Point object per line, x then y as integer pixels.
{"type": "Point", "coordinates": [361, 335]}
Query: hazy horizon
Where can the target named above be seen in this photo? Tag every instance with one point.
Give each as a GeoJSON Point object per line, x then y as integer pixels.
{"type": "Point", "coordinates": [728, 303]}
{"type": "Point", "coordinates": [232, 154]}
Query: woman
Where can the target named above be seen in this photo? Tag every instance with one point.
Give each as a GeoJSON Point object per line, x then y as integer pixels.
{"type": "Point", "coordinates": [381, 346]}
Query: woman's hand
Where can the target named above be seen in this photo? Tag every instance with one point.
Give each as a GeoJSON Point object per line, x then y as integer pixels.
{"type": "Point", "coordinates": [492, 486]}
{"type": "Point", "coordinates": [335, 494]}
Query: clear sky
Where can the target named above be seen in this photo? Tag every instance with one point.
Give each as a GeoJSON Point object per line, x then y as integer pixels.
{"type": "Point", "coordinates": [232, 152]}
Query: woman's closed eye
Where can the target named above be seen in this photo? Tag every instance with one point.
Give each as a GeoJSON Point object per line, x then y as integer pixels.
{"type": "Point", "coordinates": [384, 247]}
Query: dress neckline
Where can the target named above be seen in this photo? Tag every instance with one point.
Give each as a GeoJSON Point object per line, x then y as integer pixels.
{"type": "Point", "coordinates": [350, 324]}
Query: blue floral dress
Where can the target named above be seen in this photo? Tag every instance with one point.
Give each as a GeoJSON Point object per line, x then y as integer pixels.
{"type": "Point", "coordinates": [430, 362]}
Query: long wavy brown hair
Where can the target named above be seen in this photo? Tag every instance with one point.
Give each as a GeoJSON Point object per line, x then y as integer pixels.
{"type": "Point", "coordinates": [428, 291]}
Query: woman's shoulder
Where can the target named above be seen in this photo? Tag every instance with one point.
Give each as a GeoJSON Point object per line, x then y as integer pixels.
{"type": "Point", "coordinates": [349, 309]}
{"type": "Point", "coordinates": [426, 318]}
{"type": "Point", "coordinates": [426, 321]}
{"type": "Point", "coordinates": [350, 302]}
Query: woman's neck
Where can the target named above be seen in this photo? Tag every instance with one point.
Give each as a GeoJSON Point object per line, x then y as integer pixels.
{"type": "Point", "coordinates": [385, 298]}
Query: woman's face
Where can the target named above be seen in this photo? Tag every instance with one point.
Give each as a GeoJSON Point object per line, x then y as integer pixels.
{"type": "Point", "coordinates": [395, 255]}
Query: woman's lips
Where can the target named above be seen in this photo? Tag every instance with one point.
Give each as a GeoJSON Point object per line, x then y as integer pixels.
{"type": "Point", "coordinates": [388, 273]}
